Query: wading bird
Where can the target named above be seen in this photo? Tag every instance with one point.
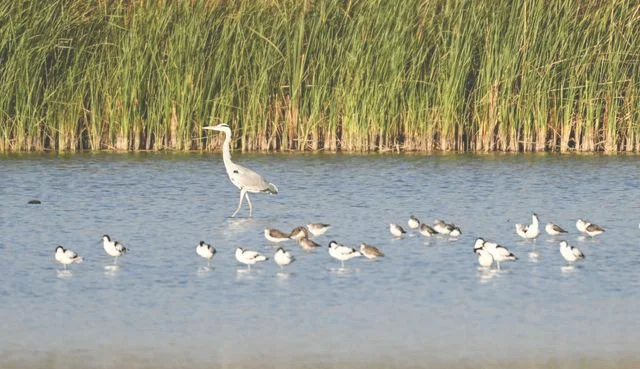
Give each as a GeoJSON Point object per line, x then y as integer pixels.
{"type": "Point", "coordinates": [245, 179]}
{"type": "Point", "coordinates": [66, 256]}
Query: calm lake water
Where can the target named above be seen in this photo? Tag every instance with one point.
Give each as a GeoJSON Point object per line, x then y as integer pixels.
{"type": "Point", "coordinates": [425, 305]}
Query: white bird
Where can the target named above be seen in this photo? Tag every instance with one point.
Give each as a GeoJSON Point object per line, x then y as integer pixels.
{"type": "Point", "coordinates": [590, 229]}
{"type": "Point", "coordinates": [299, 233]}
{"type": "Point", "coordinates": [318, 229]}
{"type": "Point", "coordinates": [396, 230]}
{"type": "Point", "coordinates": [498, 252]}
{"type": "Point", "coordinates": [66, 256]}
{"type": "Point", "coordinates": [342, 252]}
{"type": "Point", "coordinates": [275, 235]}
{"type": "Point", "coordinates": [454, 230]}
{"type": "Point", "coordinates": [570, 253]}
{"type": "Point", "coordinates": [426, 230]}
{"type": "Point", "coordinates": [554, 229]}
{"type": "Point", "coordinates": [249, 257]}
{"type": "Point", "coordinates": [530, 231]}
{"type": "Point", "coordinates": [243, 178]}
{"type": "Point", "coordinates": [370, 252]}
{"type": "Point", "coordinates": [206, 251]}
{"type": "Point", "coordinates": [283, 258]}
{"type": "Point", "coordinates": [413, 222]}
{"type": "Point", "coordinates": [484, 258]}
{"type": "Point", "coordinates": [308, 244]}
{"type": "Point", "coordinates": [113, 248]}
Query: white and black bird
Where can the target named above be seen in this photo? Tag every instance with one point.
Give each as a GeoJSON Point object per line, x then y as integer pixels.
{"type": "Point", "coordinates": [318, 229]}
{"type": "Point", "coordinates": [485, 259]}
{"type": "Point", "coordinates": [249, 257]}
{"type": "Point", "coordinates": [113, 248]}
{"type": "Point", "coordinates": [299, 233]}
{"type": "Point", "coordinates": [498, 252]}
{"type": "Point", "coordinates": [245, 179]}
{"type": "Point", "coordinates": [426, 230]}
{"type": "Point", "coordinates": [206, 251]}
{"type": "Point", "coordinates": [66, 256]}
{"type": "Point", "coordinates": [341, 252]}
{"type": "Point", "coordinates": [413, 222]}
{"type": "Point", "coordinates": [570, 253]}
{"type": "Point", "coordinates": [275, 235]}
{"type": "Point", "coordinates": [529, 231]}
{"type": "Point", "coordinates": [370, 252]}
{"type": "Point", "coordinates": [589, 228]}
{"type": "Point", "coordinates": [283, 258]}
{"type": "Point", "coordinates": [396, 230]}
{"type": "Point", "coordinates": [554, 229]}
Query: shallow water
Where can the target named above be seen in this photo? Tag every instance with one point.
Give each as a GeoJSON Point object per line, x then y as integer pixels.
{"type": "Point", "coordinates": [425, 304]}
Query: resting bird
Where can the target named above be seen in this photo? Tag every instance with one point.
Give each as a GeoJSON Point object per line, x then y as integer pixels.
{"type": "Point", "coordinates": [243, 178]}
{"type": "Point", "coordinates": [66, 256]}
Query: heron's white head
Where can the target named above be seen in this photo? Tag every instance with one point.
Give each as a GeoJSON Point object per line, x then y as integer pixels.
{"type": "Point", "coordinates": [222, 127]}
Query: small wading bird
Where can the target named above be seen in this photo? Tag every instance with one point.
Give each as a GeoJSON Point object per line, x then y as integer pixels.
{"type": "Point", "coordinates": [318, 229]}
{"type": "Point", "coordinates": [396, 230]}
{"type": "Point", "coordinates": [275, 235]}
{"type": "Point", "coordinates": [66, 256]}
{"type": "Point", "coordinates": [113, 248]}
{"type": "Point", "coordinates": [243, 178]}
{"type": "Point", "coordinates": [590, 229]}
{"type": "Point", "coordinates": [413, 222]}
{"type": "Point", "coordinates": [370, 252]}
{"type": "Point", "coordinates": [206, 251]}
{"type": "Point", "coordinates": [554, 229]}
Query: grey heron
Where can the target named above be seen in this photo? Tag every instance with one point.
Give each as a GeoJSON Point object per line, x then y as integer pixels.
{"type": "Point", "coordinates": [243, 178]}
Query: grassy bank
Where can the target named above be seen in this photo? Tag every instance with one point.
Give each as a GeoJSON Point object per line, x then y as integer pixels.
{"type": "Point", "coordinates": [354, 75]}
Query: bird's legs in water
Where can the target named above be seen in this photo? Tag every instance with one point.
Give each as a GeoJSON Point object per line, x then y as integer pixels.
{"type": "Point", "coordinates": [243, 192]}
{"type": "Point", "coordinates": [246, 195]}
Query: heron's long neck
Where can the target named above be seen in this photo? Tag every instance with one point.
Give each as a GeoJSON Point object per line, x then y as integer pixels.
{"type": "Point", "coordinates": [226, 151]}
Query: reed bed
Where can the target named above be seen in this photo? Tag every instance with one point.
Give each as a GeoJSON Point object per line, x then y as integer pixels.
{"type": "Point", "coordinates": [335, 75]}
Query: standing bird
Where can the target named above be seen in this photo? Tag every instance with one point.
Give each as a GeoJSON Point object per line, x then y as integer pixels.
{"type": "Point", "coordinates": [249, 257]}
{"type": "Point", "coordinates": [245, 179]}
{"type": "Point", "coordinates": [113, 248]}
{"type": "Point", "coordinates": [396, 230]}
{"type": "Point", "coordinates": [206, 251]}
{"type": "Point", "coordinates": [370, 252]}
{"type": "Point", "coordinates": [554, 229]}
{"type": "Point", "coordinates": [342, 252]}
{"type": "Point", "coordinates": [283, 258]}
{"type": "Point", "coordinates": [529, 231]}
{"type": "Point", "coordinates": [66, 256]}
{"type": "Point", "coordinates": [570, 253]}
{"type": "Point", "coordinates": [590, 229]}
{"type": "Point", "coordinates": [484, 258]}
{"type": "Point", "coordinates": [413, 222]}
{"type": "Point", "coordinates": [498, 252]}
{"type": "Point", "coordinates": [318, 229]}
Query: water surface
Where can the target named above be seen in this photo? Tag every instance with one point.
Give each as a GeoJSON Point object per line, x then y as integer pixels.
{"type": "Point", "coordinates": [425, 305]}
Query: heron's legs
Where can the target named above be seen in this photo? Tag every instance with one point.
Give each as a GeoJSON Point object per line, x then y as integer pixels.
{"type": "Point", "coordinates": [246, 195]}
{"type": "Point", "coordinates": [243, 192]}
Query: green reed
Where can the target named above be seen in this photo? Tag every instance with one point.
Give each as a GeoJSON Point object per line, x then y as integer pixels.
{"type": "Point", "coordinates": [356, 75]}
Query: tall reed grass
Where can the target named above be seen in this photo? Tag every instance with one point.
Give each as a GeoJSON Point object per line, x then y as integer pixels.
{"type": "Point", "coordinates": [350, 75]}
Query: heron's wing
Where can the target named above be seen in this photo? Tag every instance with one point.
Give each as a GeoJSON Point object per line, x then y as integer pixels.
{"type": "Point", "coordinates": [248, 179]}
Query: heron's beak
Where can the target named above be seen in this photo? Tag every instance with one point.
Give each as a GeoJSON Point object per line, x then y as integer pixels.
{"type": "Point", "coordinates": [211, 128]}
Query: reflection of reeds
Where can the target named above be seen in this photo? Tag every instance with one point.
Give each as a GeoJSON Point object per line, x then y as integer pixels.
{"type": "Point", "coordinates": [320, 75]}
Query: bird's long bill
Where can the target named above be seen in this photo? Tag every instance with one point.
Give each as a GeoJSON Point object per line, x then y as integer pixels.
{"type": "Point", "coordinates": [211, 128]}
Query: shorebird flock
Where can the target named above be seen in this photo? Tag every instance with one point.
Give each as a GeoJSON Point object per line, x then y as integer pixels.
{"type": "Point", "coordinates": [488, 252]}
